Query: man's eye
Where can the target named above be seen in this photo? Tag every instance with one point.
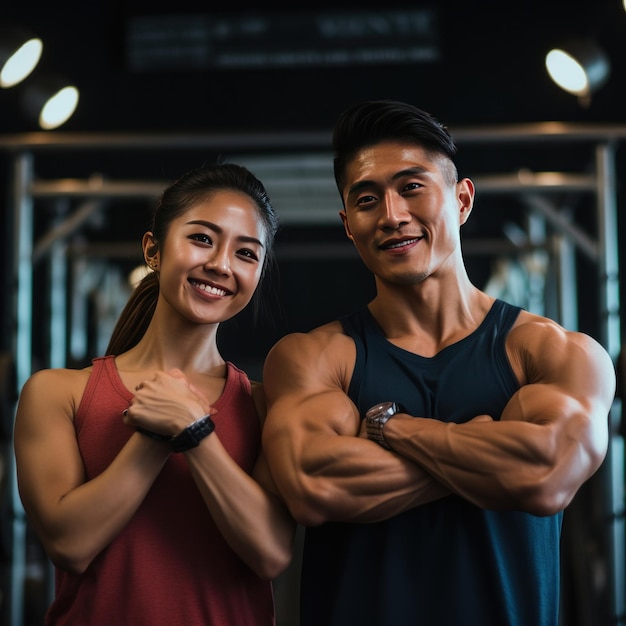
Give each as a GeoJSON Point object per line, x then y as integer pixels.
{"type": "Point", "coordinates": [412, 186]}
{"type": "Point", "coordinates": [365, 200]}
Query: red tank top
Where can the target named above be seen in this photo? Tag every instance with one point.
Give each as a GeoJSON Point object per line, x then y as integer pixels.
{"type": "Point", "coordinates": [170, 566]}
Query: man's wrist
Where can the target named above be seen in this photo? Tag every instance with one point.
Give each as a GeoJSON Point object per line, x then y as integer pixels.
{"type": "Point", "coordinates": [376, 418]}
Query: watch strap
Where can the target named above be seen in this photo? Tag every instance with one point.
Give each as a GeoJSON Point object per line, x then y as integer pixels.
{"type": "Point", "coordinates": [153, 435]}
{"type": "Point", "coordinates": [191, 436]}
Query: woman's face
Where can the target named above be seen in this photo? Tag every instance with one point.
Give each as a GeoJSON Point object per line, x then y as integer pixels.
{"type": "Point", "coordinates": [211, 260]}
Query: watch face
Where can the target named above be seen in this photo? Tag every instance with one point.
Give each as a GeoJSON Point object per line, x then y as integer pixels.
{"type": "Point", "coordinates": [383, 409]}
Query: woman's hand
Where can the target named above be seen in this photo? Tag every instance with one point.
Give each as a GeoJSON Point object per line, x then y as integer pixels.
{"type": "Point", "coordinates": [166, 404]}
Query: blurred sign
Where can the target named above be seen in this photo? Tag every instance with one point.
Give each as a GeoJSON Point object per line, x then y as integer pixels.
{"type": "Point", "coordinates": [204, 42]}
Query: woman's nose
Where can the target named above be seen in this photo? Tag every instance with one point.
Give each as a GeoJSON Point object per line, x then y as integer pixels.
{"type": "Point", "coordinates": [218, 262]}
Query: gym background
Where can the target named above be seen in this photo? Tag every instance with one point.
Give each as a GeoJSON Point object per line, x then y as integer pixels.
{"type": "Point", "coordinates": [162, 90]}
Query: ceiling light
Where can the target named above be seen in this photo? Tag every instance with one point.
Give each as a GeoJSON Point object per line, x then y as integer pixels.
{"type": "Point", "coordinates": [19, 54]}
{"type": "Point", "coordinates": [51, 101]}
{"type": "Point", "coordinates": [579, 67]}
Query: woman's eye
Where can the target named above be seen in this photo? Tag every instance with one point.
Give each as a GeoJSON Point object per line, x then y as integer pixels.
{"type": "Point", "coordinates": [202, 238]}
{"type": "Point", "coordinates": [249, 254]}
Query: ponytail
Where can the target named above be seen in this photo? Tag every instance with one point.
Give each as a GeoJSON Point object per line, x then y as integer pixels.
{"type": "Point", "coordinates": [136, 315]}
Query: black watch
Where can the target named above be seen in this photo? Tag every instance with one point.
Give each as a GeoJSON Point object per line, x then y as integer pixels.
{"type": "Point", "coordinates": [191, 436]}
{"type": "Point", "coordinates": [376, 417]}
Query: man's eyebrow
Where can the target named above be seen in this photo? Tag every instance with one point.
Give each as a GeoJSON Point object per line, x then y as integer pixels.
{"type": "Point", "coordinates": [409, 171]}
{"type": "Point", "coordinates": [362, 184]}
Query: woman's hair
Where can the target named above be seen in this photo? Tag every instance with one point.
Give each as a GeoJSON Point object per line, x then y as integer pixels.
{"type": "Point", "coordinates": [375, 121]}
{"type": "Point", "coordinates": [175, 201]}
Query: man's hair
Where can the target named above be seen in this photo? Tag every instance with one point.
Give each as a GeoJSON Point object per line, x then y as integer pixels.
{"type": "Point", "coordinates": [375, 121]}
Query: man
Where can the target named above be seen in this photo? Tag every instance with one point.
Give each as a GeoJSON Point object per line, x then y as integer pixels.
{"type": "Point", "coordinates": [447, 512]}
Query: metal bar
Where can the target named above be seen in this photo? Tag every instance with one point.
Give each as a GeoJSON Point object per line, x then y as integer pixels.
{"type": "Point", "coordinates": [23, 207]}
{"type": "Point", "coordinates": [103, 189]}
{"type": "Point", "coordinates": [545, 182]}
{"type": "Point", "coordinates": [65, 228]}
{"type": "Point", "coordinates": [540, 132]}
{"type": "Point", "coordinates": [613, 471]}
{"type": "Point", "coordinates": [608, 269]}
{"type": "Point", "coordinates": [562, 223]}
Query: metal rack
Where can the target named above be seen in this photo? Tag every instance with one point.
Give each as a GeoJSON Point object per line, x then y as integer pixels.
{"type": "Point", "coordinates": [297, 169]}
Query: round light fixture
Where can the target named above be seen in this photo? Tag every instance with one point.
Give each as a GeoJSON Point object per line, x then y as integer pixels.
{"type": "Point", "coordinates": [579, 67]}
{"type": "Point", "coordinates": [20, 52]}
{"type": "Point", "coordinates": [51, 101]}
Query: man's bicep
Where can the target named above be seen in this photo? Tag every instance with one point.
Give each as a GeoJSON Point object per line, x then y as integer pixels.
{"type": "Point", "coordinates": [571, 366]}
{"type": "Point", "coordinates": [304, 386]}
{"type": "Point", "coordinates": [319, 413]}
{"type": "Point", "coordinates": [571, 395]}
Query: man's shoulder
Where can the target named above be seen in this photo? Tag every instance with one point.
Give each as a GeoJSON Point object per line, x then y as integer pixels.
{"type": "Point", "coordinates": [324, 342]}
{"type": "Point", "coordinates": [538, 327]}
{"type": "Point", "coordinates": [320, 335]}
{"type": "Point", "coordinates": [536, 338]}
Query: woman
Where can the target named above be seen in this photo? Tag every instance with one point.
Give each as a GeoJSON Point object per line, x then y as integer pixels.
{"type": "Point", "coordinates": [142, 474]}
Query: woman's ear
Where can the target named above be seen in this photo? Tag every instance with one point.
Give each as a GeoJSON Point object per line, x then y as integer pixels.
{"type": "Point", "coordinates": [150, 250]}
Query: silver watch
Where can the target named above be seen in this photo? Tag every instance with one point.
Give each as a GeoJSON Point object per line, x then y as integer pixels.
{"type": "Point", "coordinates": [376, 417]}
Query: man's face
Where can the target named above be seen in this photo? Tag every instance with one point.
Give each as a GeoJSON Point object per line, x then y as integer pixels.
{"type": "Point", "coordinates": [403, 211]}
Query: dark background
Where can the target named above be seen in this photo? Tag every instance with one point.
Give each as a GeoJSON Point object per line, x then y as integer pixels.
{"type": "Point", "coordinates": [490, 68]}
{"type": "Point", "coordinates": [488, 72]}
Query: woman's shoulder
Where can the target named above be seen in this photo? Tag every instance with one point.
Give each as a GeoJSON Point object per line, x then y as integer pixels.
{"type": "Point", "coordinates": [54, 391]}
{"type": "Point", "coordinates": [57, 380]}
{"type": "Point", "coordinates": [61, 373]}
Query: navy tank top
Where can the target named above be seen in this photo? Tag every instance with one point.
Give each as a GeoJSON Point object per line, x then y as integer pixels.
{"type": "Point", "coordinates": [446, 563]}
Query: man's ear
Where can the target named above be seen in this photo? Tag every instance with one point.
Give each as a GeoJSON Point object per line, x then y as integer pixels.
{"type": "Point", "coordinates": [465, 195]}
{"type": "Point", "coordinates": [344, 219]}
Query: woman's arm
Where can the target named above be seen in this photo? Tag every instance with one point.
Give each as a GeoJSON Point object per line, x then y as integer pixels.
{"type": "Point", "coordinates": [253, 520]}
{"type": "Point", "coordinates": [250, 516]}
{"type": "Point", "coordinates": [74, 518]}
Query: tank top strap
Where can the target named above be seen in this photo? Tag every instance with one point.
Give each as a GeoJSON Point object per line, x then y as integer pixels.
{"type": "Point", "coordinates": [353, 325]}
{"type": "Point", "coordinates": [104, 378]}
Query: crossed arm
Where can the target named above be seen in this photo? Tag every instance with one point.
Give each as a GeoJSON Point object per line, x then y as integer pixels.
{"type": "Point", "coordinates": [551, 437]}
{"type": "Point", "coordinates": [323, 469]}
